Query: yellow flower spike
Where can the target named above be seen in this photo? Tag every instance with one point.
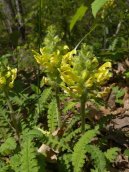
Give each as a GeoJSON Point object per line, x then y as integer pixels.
{"type": "Point", "coordinates": [76, 89]}
{"type": "Point", "coordinates": [11, 84]}
{"type": "Point", "coordinates": [53, 61]}
{"type": "Point", "coordinates": [14, 71]}
{"type": "Point", "coordinates": [69, 55]}
{"type": "Point", "coordinates": [42, 51]}
{"type": "Point", "coordinates": [66, 47]}
{"type": "Point", "coordinates": [67, 79]}
{"type": "Point", "coordinates": [7, 78]}
{"type": "Point", "coordinates": [39, 59]}
{"type": "Point", "coordinates": [44, 81]}
{"type": "Point", "coordinates": [94, 62]}
{"type": "Point", "coordinates": [58, 52]}
{"type": "Point", "coordinates": [8, 74]}
{"type": "Point", "coordinates": [85, 74]}
{"type": "Point", "coordinates": [103, 74]}
{"type": "Point", "coordinates": [8, 68]}
{"type": "Point", "coordinates": [14, 74]}
{"type": "Point", "coordinates": [105, 66]}
{"type": "Point", "coordinates": [89, 83]}
{"type": "Point", "coordinates": [2, 81]}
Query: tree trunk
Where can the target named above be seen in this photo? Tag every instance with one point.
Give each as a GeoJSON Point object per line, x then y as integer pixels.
{"type": "Point", "coordinates": [19, 17]}
{"type": "Point", "coordinates": [8, 16]}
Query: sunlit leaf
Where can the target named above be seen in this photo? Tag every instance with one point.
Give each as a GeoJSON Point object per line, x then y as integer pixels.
{"type": "Point", "coordinates": [78, 15]}
{"type": "Point", "coordinates": [96, 6]}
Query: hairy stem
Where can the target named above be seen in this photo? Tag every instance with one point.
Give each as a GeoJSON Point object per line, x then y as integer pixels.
{"type": "Point", "coordinates": [12, 114]}
{"type": "Point", "coordinates": [82, 112]}
{"type": "Point", "coordinates": [58, 107]}
{"type": "Point", "coordinates": [9, 106]}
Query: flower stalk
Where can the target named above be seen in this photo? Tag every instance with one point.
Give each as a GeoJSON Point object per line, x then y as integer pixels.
{"type": "Point", "coordinates": [12, 115]}
{"type": "Point", "coordinates": [58, 107]}
{"type": "Point", "coordinates": [82, 112]}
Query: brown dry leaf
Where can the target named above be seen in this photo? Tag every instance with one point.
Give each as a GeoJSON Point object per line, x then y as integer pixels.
{"type": "Point", "coordinates": [121, 68]}
{"type": "Point", "coordinates": [126, 99]}
{"type": "Point", "coordinates": [127, 61]}
{"type": "Point", "coordinates": [122, 162]}
{"type": "Point", "coordinates": [105, 111]}
{"type": "Point", "coordinates": [50, 154]}
{"type": "Point", "coordinates": [59, 132]}
{"type": "Point", "coordinates": [118, 111]}
{"type": "Point", "coordinates": [111, 101]}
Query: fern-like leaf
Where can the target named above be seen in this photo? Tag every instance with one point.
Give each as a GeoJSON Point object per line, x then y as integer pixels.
{"type": "Point", "coordinates": [28, 156]}
{"type": "Point", "coordinates": [74, 133]}
{"type": "Point", "coordinates": [52, 115]}
{"type": "Point", "coordinates": [48, 139]}
{"type": "Point", "coordinates": [69, 106]}
{"type": "Point", "coordinates": [5, 126]}
{"type": "Point", "coordinates": [66, 162]}
{"type": "Point", "coordinates": [15, 162]}
{"type": "Point", "coordinates": [111, 154]}
{"type": "Point", "coordinates": [98, 156]}
{"type": "Point", "coordinates": [44, 96]}
{"type": "Point", "coordinates": [8, 146]}
{"type": "Point", "coordinates": [58, 145]}
{"type": "Point", "coordinates": [79, 149]}
{"type": "Point", "coordinates": [73, 121]}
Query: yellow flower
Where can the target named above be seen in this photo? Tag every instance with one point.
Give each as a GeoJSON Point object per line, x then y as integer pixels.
{"type": "Point", "coordinates": [13, 74]}
{"type": "Point", "coordinates": [8, 74]}
{"type": "Point", "coordinates": [85, 74]}
{"type": "Point", "coordinates": [103, 74]}
{"type": "Point", "coordinates": [89, 83]}
{"type": "Point", "coordinates": [7, 78]}
{"type": "Point", "coordinates": [104, 93]}
{"type": "Point", "coordinates": [68, 57]}
{"type": "Point", "coordinates": [11, 84]}
{"type": "Point", "coordinates": [79, 73]}
{"type": "Point", "coordinates": [2, 81]}
{"type": "Point", "coordinates": [49, 61]}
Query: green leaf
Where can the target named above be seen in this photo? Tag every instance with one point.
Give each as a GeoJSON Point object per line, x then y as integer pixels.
{"type": "Point", "coordinates": [115, 89]}
{"type": "Point", "coordinates": [52, 116]}
{"type": "Point", "coordinates": [98, 156]}
{"type": "Point", "coordinates": [15, 162]}
{"type": "Point", "coordinates": [78, 156]}
{"type": "Point", "coordinates": [28, 156]}
{"type": "Point", "coordinates": [8, 146]}
{"type": "Point", "coordinates": [96, 6]}
{"type": "Point", "coordinates": [126, 152]}
{"type": "Point", "coordinates": [35, 89]}
{"type": "Point", "coordinates": [111, 154]}
{"type": "Point", "coordinates": [69, 106]}
{"type": "Point", "coordinates": [120, 93]}
{"type": "Point", "coordinates": [119, 101]}
{"type": "Point", "coordinates": [126, 74]}
{"type": "Point", "coordinates": [78, 15]}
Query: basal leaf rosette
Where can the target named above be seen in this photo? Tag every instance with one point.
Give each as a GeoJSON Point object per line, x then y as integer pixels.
{"type": "Point", "coordinates": [80, 73]}
{"type": "Point", "coordinates": [7, 77]}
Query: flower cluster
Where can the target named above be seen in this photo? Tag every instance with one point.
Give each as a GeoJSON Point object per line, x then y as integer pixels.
{"type": "Point", "coordinates": [50, 56]}
{"type": "Point", "coordinates": [80, 72]}
{"type": "Point", "coordinates": [7, 77]}
{"type": "Point", "coordinates": [50, 62]}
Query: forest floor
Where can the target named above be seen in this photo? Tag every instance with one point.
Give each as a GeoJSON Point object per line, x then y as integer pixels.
{"type": "Point", "coordinates": [118, 127]}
